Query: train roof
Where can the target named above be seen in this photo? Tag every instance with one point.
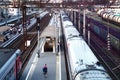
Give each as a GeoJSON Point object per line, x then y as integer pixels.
{"type": "Point", "coordinates": [70, 31]}
{"type": "Point", "coordinates": [88, 67]}
{"type": "Point", "coordinates": [66, 23]}
{"type": "Point", "coordinates": [82, 50]}
{"type": "Point", "coordinates": [5, 54]}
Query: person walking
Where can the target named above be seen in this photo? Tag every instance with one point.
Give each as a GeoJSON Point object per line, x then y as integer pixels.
{"type": "Point", "coordinates": [45, 69]}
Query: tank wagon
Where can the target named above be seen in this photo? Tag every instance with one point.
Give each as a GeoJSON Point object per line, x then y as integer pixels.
{"type": "Point", "coordinates": [101, 30]}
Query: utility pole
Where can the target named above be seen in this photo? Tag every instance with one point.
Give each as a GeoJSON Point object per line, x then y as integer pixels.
{"type": "Point", "coordinates": [84, 23]}
{"type": "Point", "coordinates": [89, 34]}
{"type": "Point", "coordinates": [38, 28]}
{"type": "Point", "coordinates": [56, 33]}
{"type": "Point", "coordinates": [24, 26]}
{"type": "Point", "coordinates": [79, 18]}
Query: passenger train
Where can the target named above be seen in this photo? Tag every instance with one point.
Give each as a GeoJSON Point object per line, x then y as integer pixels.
{"type": "Point", "coordinates": [83, 63]}
{"type": "Point", "coordinates": [11, 68]}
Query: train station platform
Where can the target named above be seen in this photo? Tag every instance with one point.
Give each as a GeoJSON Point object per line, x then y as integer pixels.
{"type": "Point", "coordinates": [55, 61]}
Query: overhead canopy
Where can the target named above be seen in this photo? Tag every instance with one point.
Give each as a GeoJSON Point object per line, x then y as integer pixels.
{"type": "Point", "coordinates": [50, 31]}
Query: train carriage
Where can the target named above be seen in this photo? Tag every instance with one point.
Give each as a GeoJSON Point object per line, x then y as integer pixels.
{"type": "Point", "coordinates": [83, 63]}
{"type": "Point", "coordinates": [11, 64]}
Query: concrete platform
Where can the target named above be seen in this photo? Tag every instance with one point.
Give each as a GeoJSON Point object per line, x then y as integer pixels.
{"type": "Point", "coordinates": [55, 63]}
{"type": "Point", "coordinates": [34, 71]}
{"type": "Point", "coordinates": [50, 60]}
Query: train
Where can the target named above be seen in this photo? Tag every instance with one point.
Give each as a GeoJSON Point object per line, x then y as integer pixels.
{"type": "Point", "coordinates": [83, 64]}
{"type": "Point", "coordinates": [11, 68]}
{"type": "Point", "coordinates": [14, 12]}
{"type": "Point", "coordinates": [113, 15]}
{"type": "Point", "coordinates": [100, 28]}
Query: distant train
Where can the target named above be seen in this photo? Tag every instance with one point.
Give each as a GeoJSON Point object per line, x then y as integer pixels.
{"type": "Point", "coordinates": [14, 12]}
{"type": "Point", "coordinates": [111, 15]}
{"type": "Point", "coordinates": [100, 28]}
{"type": "Point", "coordinates": [10, 70]}
{"type": "Point", "coordinates": [83, 64]}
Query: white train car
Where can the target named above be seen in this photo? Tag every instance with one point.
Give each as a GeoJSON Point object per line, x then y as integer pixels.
{"type": "Point", "coordinates": [65, 19]}
{"type": "Point", "coordinates": [83, 63]}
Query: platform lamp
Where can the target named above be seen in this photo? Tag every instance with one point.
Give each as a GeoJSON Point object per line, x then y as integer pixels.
{"type": "Point", "coordinates": [55, 31]}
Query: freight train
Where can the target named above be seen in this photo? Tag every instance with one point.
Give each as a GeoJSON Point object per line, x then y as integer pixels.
{"type": "Point", "coordinates": [100, 28]}
{"type": "Point", "coordinates": [11, 64]}
{"type": "Point", "coordinates": [83, 64]}
{"type": "Point", "coordinates": [113, 15]}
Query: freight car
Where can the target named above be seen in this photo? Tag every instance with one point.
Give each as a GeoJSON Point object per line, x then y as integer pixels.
{"type": "Point", "coordinates": [113, 15]}
{"type": "Point", "coordinates": [101, 30]}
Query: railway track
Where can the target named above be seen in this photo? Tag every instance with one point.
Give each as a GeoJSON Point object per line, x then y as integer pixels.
{"type": "Point", "coordinates": [19, 42]}
{"type": "Point", "coordinates": [16, 20]}
{"type": "Point", "coordinates": [99, 47]}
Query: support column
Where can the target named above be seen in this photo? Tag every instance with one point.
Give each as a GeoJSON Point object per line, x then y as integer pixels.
{"type": "Point", "coordinates": [42, 50]}
{"type": "Point", "coordinates": [24, 26]}
{"type": "Point", "coordinates": [71, 15]}
{"type": "Point", "coordinates": [89, 34]}
{"type": "Point", "coordinates": [84, 24]}
{"type": "Point", "coordinates": [74, 18]}
{"type": "Point", "coordinates": [79, 25]}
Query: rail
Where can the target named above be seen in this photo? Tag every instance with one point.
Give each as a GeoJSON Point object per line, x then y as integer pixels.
{"type": "Point", "coordinates": [97, 49]}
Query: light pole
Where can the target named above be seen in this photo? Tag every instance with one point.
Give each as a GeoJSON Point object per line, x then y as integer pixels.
{"type": "Point", "coordinates": [79, 25]}
{"type": "Point", "coordinates": [38, 28]}
{"type": "Point", "coordinates": [18, 10]}
{"type": "Point", "coordinates": [88, 28]}
{"type": "Point", "coordinates": [56, 33]}
{"type": "Point", "coordinates": [84, 12]}
{"type": "Point", "coordinates": [89, 34]}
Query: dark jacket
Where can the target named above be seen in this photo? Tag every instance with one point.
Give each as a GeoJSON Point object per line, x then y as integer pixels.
{"type": "Point", "coordinates": [45, 69]}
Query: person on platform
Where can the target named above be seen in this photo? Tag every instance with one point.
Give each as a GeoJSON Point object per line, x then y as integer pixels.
{"type": "Point", "coordinates": [45, 69]}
